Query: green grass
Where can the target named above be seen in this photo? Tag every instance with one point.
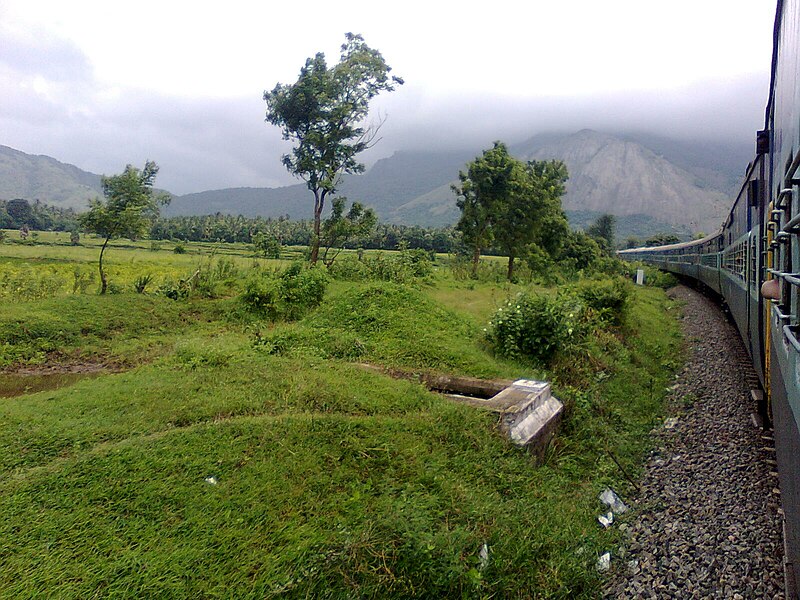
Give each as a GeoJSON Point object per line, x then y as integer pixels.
{"type": "Point", "coordinates": [331, 481]}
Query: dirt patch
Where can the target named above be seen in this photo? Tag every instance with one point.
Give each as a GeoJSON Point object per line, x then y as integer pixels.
{"type": "Point", "coordinates": [30, 379]}
{"type": "Point", "coordinates": [63, 368]}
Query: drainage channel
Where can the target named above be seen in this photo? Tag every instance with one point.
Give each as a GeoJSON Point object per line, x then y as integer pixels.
{"type": "Point", "coordinates": [528, 413]}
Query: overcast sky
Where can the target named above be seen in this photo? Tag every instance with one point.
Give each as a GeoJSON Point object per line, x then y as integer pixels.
{"type": "Point", "coordinates": [104, 84]}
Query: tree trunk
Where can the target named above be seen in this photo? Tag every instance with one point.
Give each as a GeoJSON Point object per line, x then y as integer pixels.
{"type": "Point", "coordinates": [476, 256]}
{"type": "Point", "coordinates": [319, 203]}
{"type": "Point", "coordinates": [103, 281]}
{"type": "Point", "coordinates": [510, 272]}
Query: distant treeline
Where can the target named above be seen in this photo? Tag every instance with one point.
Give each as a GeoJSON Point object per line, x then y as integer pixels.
{"type": "Point", "coordinates": [19, 213]}
{"type": "Point", "coordinates": [228, 228]}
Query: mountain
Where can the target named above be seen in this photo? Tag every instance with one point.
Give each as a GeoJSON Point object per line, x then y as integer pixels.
{"type": "Point", "coordinates": [652, 184]}
{"type": "Point", "coordinates": [391, 182]}
{"type": "Point", "coordinates": [623, 177]}
{"type": "Point", "coordinates": [41, 177]}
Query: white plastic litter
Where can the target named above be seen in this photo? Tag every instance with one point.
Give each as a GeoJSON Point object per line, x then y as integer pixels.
{"type": "Point", "coordinates": [483, 557]}
{"type": "Point", "coordinates": [211, 480]}
{"type": "Point", "coordinates": [607, 519]}
{"type": "Point", "coordinates": [604, 562]}
{"type": "Point", "coordinates": [612, 501]}
{"type": "Point", "coordinates": [670, 423]}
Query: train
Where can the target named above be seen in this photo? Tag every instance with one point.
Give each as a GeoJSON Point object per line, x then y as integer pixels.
{"type": "Point", "coordinates": [753, 263]}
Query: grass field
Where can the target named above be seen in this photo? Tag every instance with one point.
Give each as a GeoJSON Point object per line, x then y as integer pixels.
{"type": "Point", "coordinates": [216, 455]}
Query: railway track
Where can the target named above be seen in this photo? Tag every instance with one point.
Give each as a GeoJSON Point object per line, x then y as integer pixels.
{"type": "Point", "coordinates": [707, 522]}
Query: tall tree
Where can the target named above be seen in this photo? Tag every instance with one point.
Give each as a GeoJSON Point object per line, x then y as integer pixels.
{"type": "Point", "coordinates": [20, 211]}
{"type": "Point", "coordinates": [322, 113]}
{"type": "Point", "coordinates": [127, 210]}
{"type": "Point", "coordinates": [531, 212]}
{"type": "Point", "coordinates": [603, 231]}
{"type": "Point", "coordinates": [483, 188]}
{"type": "Point", "coordinates": [510, 205]}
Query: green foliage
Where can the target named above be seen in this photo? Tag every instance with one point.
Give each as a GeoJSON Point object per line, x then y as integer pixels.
{"type": "Point", "coordinates": [140, 283]}
{"type": "Point", "coordinates": [547, 327]}
{"type": "Point", "coordinates": [321, 113]}
{"type": "Point", "coordinates": [483, 187]}
{"type": "Point", "coordinates": [127, 210]}
{"type": "Point", "coordinates": [662, 239]}
{"type": "Point", "coordinates": [28, 284]}
{"type": "Point", "coordinates": [213, 279]}
{"type": "Point", "coordinates": [609, 298]}
{"type": "Point", "coordinates": [403, 267]}
{"type": "Point", "coordinates": [179, 249]}
{"type": "Point", "coordinates": [57, 327]}
{"type": "Point", "coordinates": [340, 228]}
{"type": "Point", "coordinates": [287, 296]}
{"type": "Point", "coordinates": [539, 327]}
{"type": "Point", "coordinates": [267, 245]}
{"type": "Point", "coordinates": [510, 205]}
{"type": "Point", "coordinates": [388, 324]}
{"type": "Point", "coordinates": [329, 481]}
{"type": "Point", "coordinates": [579, 251]}
{"type": "Point", "coordinates": [653, 277]}
{"type": "Point", "coordinates": [603, 232]}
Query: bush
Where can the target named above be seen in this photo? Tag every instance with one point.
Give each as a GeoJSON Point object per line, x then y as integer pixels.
{"type": "Point", "coordinates": [653, 277]}
{"type": "Point", "coordinates": [179, 249]}
{"type": "Point", "coordinates": [538, 326]}
{"type": "Point", "coordinates": [173, 290]}
{"type": "Point", "coordinates": [609, 298]}
{"type": "Point", "coordinates": [401, 267]}
{"type": "Point", "coordinates": [288, 296]}
{"type": "Point", "coordinates": [214, 279]}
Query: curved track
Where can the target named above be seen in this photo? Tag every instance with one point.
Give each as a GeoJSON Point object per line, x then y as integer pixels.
{"type": "Point", "coordinates": [707, 522]}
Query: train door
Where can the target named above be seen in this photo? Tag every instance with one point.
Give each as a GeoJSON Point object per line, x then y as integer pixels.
{"type": "Point", "coordinates": [755, 267]}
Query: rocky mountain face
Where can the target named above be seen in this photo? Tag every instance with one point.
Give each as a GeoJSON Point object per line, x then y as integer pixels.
{"type": "Point", "coordinates": [652, 184]}
{"type": "Point", "coordinates": [624, 178]}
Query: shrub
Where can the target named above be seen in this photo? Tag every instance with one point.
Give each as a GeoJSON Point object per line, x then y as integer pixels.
{"type": "Point", "coordinates": [179, 249]}
{"type": "Point", "coordinates": [173, 290]}
{"type": "Point", "coordinates": [267, 245]}
{"type": "Point", "coordinates": [538, 326]}
{"type": "Point", "coordinates": [214, 279]}
{"type": "Point", "coordinates": [401, 267]}
{"type": "Point", "coordinates": [609, 298]}
{"type": "Point", "coordinates": [288, 296]}
{"type": "Point", "coordinates": [141, 282]}
{"type": "Point", "coordinates": [653, 277]}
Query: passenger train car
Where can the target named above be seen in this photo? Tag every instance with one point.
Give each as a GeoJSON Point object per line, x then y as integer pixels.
{"type": "Point", "coordinates": [760, 241]}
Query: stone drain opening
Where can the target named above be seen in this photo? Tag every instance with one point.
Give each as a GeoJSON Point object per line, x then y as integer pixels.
{"type": "Point", "coordinates": [527, 411]}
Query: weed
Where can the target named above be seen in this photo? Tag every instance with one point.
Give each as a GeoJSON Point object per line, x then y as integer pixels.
{"type": "Point", "coordinates": [140, 283]}
{"type": "Point", "coordinates": [287, 296]}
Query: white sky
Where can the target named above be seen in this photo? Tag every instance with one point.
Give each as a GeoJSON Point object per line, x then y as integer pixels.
{"type": "Point", "coordinates": [102, 84]}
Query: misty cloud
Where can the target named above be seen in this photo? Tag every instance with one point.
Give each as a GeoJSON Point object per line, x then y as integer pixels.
{"type": "Point", "coordinates": [41, 54]}
{"type": "Point", "coordinates": [58, 108]}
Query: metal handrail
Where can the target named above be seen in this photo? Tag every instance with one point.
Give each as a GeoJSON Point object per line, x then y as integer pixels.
{"type": "Point", "coordinates": [789, 335]}
{"type": "Point", "coordinates": [781, 315]}
{"type": "Point", "coordinates": [792, 224]}
{"type": "Point", "coordinates": [788, 177]}
{"type": "Point", "coordinates": [783, 194]}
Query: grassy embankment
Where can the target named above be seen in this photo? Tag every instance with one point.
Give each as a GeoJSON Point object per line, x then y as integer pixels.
{"type": "Point", "coordinates": [330, 481]}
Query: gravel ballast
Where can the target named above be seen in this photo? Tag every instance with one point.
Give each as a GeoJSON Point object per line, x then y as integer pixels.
{"type": "Point", "coordinates": [706, 522]}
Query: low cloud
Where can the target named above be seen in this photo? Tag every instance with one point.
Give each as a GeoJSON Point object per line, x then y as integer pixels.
{"type": "Point", "coordinates": [54, 106]}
